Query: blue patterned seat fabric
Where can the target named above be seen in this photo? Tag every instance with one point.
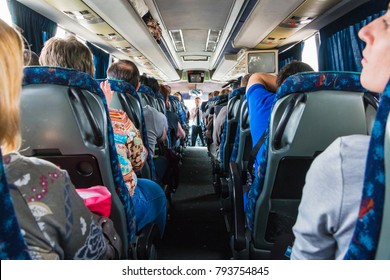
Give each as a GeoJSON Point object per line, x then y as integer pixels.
{"type": "Point", "coordinates": [365, 239]}
{"type": "Point", "coordinates": [216, 100]}
{"type": "Point", "coordinates": [180, 112]}
{"type": "Point", "coordinates": [302, 82]}
{"type": "Point", "coordinates": [145, 89]}
{"type": "Point", "coordinates": [236, 92]}
{"type": "Point", "coordinates": [12, 245]}
{"type": "Point", "coordinates": [73, 78]}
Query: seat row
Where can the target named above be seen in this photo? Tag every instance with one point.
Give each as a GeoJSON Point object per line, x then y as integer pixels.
{"type": "Point", "coordinates": [65, 120]}
{"type": "Point", "coordinates": [310, 111]}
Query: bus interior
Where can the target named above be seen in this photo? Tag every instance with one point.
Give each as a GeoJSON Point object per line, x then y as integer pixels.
{"type": "Point", "coordinates": [196, 48]}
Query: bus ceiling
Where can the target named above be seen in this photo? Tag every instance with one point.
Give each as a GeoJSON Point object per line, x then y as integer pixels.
{"type": "Point", "coordinates": [168, 40]}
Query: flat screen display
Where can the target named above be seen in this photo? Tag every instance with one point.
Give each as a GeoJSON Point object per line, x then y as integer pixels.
{"type": "Point", "coordinates": [262, 61]}
{"type": "Point", "coordinates": [195, 77]}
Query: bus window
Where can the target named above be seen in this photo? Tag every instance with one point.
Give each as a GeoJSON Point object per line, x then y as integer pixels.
{"type": "Point", "coordinates": [310, 52]}
{"type": "Point", "coordinates": [4, 12]}
{"type": "Point", "coordinates": [61, 33]}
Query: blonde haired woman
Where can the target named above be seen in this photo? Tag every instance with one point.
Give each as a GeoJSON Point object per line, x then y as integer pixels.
{"type": "Point", "coordinates": [54, 220]}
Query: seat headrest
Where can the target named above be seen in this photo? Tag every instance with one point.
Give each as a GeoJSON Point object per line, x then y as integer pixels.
{"type": "Point", "coordinates": [366, 236]}
{"type": "Point", "coordinates": [316, 81]}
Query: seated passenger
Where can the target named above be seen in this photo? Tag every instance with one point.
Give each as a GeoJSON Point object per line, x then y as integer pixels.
{"type": "Point", "coordinates": [147, 196]}
{"type": "Point", "coordinates": [54, 220]}
{"type": "Point", "coordinates": [155, 122]}
{"type": "Point", "coordinates": [173, 118]}
{"type": "Point", "coordinates": [218, 123]}
{"type": "Point", "coordinates": [332, 193]}
{"type": "Point", "coordinates": [260, 95]}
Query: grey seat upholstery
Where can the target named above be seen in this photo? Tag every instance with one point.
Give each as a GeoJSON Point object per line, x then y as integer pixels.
{"type": "Point", "coordinates": [302, 125]}
{"type": "Point", "coordinates": [310, 111]}
{"type": "Point", "coordinates": [64, 119]}
{"type": "Point", "coordinates": [233, 110]}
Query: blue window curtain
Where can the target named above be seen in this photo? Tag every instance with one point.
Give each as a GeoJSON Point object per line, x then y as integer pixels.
{"type": "Point", "coordinates": [293, 53]}
{"type": "Point", "coordinates": [101, 60]}
{"type": "Point", "coordinates": [341, 49]}
{"type": "Point", "coordinates": [36, 28]}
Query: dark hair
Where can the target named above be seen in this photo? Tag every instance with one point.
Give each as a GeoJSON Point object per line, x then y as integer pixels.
{"type": "Point", "coordinates": [292, 68]}
{"type": "Point", "coordinates": [30, 58]}
{"type": "Point", "coordinates": [153, 84]}
{"type": "Point", "coordinates": [124, 70]}
{"type": "Point", "coordinates": [143, 79]}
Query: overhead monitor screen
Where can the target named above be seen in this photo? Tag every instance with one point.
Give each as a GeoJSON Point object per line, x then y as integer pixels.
{"type": "Point", "coordinates": [262, 61]}
{"type": "Point", "coordinates": [195, 77]}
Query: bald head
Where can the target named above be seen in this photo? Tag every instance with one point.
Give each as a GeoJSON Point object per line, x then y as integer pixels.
{"type": "Point", "coordinates": [124, 70]}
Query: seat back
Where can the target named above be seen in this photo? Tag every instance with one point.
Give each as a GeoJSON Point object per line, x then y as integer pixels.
{"type": "Point", "coordinates": [160, 105]}
{"type": "Point", "coordinates": [310, 111]}
{"type": "Point", "coordinates": [147, 96]}
{"type": "Point", "coordinates": [126, 98]}
{"type": "Point", "coordinates": [13, 246]}
{"type": "Point", "coordinates": [371, 236]}
{"type": "Point", "coordinates": [229, 134]}
{"type": "Point", "coordinates": [243, 142]}
{"type": "Point", "coordinates": [65, 120]}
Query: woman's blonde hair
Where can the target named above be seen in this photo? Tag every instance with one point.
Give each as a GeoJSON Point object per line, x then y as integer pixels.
{"type": "Point", "coordinates": [68, 52]}
{"type": "Point", "coordinates": [11, 74]}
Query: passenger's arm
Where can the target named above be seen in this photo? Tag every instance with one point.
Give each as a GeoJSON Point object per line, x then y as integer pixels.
{"type": "Point", "coordinates": [108, 93]}
{"type": "Point", "coordinates": [161, 125]}
{"type": "Point", "coordinates": [163, 137]}
{"type": "Point", "coordinates": [181, 134]}
{"type": "Point", "coordinates": [268, 80]}
{"type": "Point", "coordinates": [319, 212]}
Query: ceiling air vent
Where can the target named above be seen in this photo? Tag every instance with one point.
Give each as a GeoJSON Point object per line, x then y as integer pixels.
{"type": "Point", "coordinates": [111, 37]}
{"type": "Point", "coordinates": [177, 39]}
{"type": "Point", "coordinates": [84, 16]}
{"type": "Point", "coordinates": [195, 58]}
{"type": "Point", "coordinates": [212, 39]}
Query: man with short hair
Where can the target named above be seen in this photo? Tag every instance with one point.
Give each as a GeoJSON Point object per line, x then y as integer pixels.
{"type": "Point", "coordinates": [260, 94]}
{"type": "Point", "coordinates": [196, 117]}
{"type": "Point", "coordinates": [156, 122]}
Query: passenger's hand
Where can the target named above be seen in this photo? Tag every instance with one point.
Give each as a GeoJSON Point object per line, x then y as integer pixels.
{"type": "Point", "coordinates": [106, 88]}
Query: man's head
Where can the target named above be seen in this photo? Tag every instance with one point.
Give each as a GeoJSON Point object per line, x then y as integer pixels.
{"type": "Point", "coordinates": [178, 95]}
{"type": "Point", "coordinates": [244, 80]}
{"type": "Point", "coordinates": [225, 91]}
{"type": "Point", "coordinates": [292, 68]}
{"type": "Point", "coordinates": [126, 71]}
{"type": "Point", "coordinates": [198, 101]}
{"type": "Point", "coordinates": [30, 58]}
{"type": "Point", "coordinates": [68, 52]}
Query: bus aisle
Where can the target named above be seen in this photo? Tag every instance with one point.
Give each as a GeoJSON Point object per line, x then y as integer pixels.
{"type": "Point", "coordinates": [195, 228]}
